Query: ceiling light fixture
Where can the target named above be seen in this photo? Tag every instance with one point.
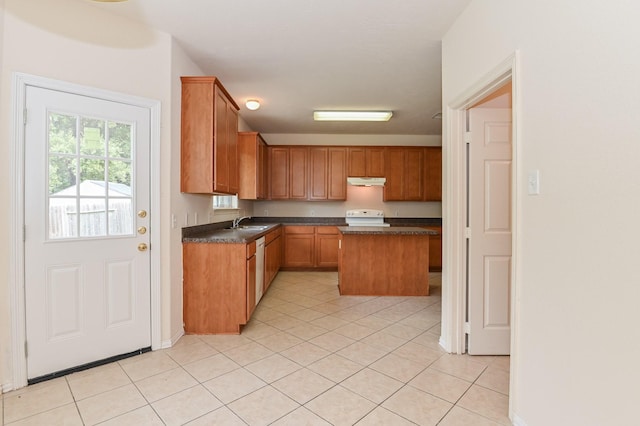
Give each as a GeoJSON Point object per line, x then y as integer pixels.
{"type": "Point", "coordinates": [352, 115]}
{"type": "Point", "coordinates": [252, 104]}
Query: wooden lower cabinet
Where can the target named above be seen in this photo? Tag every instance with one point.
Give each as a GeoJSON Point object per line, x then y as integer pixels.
{"type": "Point", "coordinates": [310, 247]}
{"type": "Point", "coordinates": [251, 278]}
{"type": "Point", "coordinates": [327, 241]}
{"type": "Point", "coordinates": [217, 287]}
{"type": "Point", "coordinates": [272, 256]}
{"type": "Point", "coordinates": [384, 265]}
{"type": "Point", "coordinates": [299, 247]}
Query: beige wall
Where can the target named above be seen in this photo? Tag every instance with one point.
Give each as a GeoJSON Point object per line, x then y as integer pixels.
{"type": "Point", "coordinates": [89, 47]}
{"type": "Point", "coordinates": [577, 349]}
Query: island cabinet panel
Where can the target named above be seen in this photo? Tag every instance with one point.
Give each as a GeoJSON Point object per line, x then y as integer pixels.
{"type": "Point", "coordinates": [384, 265]}
{"type": "Point", "coordinates": [209, 127]}
{"type": "Point", "coordinates": [214, 288]}
{"type": "Point", "coordinates": [299, 247]}
{"type": "Point", "coordinates": [433, 173]}
{"type": "Point", "coordinates": [252, 165]}
{"type": "Point", "coordinates": [435, 249]}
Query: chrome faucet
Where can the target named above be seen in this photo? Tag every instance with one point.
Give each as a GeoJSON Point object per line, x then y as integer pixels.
{"type": "Point", "coordinates": [237, 221]}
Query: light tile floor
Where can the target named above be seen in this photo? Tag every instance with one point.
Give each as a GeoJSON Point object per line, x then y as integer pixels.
{"type": "Point", "coordinates": [308, 357]}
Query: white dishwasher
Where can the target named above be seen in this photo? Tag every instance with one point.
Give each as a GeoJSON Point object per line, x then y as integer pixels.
{"type": "Point", "coordinates": [259, 268]}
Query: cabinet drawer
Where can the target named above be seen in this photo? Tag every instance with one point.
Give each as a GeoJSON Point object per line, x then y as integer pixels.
{"type": "Point", "coordinates": [272, 236]}
{"type": "Point", "coordinates": [299, 229]}
{"type": "Point", "coordinates": [327, 230]}
{"type": "Point", "coordinates": [251, 249]}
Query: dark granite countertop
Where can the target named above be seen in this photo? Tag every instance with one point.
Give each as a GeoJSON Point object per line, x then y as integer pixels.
{"type": "Point", "coordinates": [385, 230]}
{"type": "Point", "coordinates": [247, 232]}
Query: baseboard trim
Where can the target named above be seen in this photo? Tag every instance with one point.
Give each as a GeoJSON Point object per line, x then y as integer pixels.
{"type": "Point", "coordinates": [6, 387]}
{"type": "Point", "coordinates": [174, 339]}
{"type": "Point", "coordinates": [517, 421]}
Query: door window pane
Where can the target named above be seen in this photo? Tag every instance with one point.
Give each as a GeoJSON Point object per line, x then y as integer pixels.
{"type": "Point", "coordinates": [90, 169]}
{"type": "Point", "coordinates": [63, 218]}
{"type": "Point", "coordinates": [62, 133]}
{"type": "Point", "coordinates": [120, 140]}
{"type": "Point", "coordinates": [92, 141]}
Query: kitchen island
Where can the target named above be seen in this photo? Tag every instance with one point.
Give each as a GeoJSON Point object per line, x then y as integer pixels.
{"type": "Point", "coordinates": [384, 261]}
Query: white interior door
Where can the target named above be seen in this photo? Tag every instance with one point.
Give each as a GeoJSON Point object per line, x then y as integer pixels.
{"type": "Point", "coordinates": [490, 196]}
{"type": "Point", "coordinates": [87, 264]}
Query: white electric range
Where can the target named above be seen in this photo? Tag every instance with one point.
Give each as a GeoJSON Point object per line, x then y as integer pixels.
{"type": "Point", "coordinates": [365, 217]}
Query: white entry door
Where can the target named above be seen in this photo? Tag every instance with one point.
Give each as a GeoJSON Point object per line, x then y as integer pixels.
{"type": "Point", "coordinates": [490, 196]}
{"type": "Point", "coordinates": [87, 197]}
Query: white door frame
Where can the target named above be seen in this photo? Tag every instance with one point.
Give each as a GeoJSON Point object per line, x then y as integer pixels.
{"type": "Point", "coordinates": [454, 212]}
{"type": "Point", "coordinates": [20, 82]}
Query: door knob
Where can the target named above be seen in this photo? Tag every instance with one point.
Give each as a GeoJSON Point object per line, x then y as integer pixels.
{"type": "Point", "coordinates": [142, 230]}
{"type": "Point", "coordinates": [142, 213]}
{"type": "Point", "coordinates": [142, 247]}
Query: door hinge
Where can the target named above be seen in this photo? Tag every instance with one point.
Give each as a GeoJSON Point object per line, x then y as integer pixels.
{"type": "Point", "coordinates": [26, 350]}
{"type": "Point", "coordinates": [467, 233]}
{"type": "Point", "coordinates": [24, 116]}
{"type": "Point", "coordinates": [467, 137]}
{"type": "Point", "coordinates": [24, 233]}
{"type": "Point", "coordinates": [467, 328]}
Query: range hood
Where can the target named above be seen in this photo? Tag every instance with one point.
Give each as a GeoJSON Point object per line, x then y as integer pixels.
{"type": "Point", "coordinates": [366, 181]}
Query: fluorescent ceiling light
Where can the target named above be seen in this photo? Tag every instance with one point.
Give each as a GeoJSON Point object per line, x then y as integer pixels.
{"type": "Point", "coordinates": [352, 115]}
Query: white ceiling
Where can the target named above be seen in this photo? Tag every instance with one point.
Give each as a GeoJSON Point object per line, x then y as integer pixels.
{"type": "Point", "coordinates": [297, 56]}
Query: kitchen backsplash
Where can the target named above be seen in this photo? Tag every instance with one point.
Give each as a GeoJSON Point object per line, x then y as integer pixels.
{"type": "Point", "coordinates": [358, 197]}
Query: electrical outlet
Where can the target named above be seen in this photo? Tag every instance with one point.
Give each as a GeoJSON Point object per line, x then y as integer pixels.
{"type": "Point", "coordinates": [313, 213]}
{"type": "Point", "coordinates": [174, 221]}
{"type": "Point", "coordinates": [397, 213]}
{"type": "Point", "coordinates": [266, 212]}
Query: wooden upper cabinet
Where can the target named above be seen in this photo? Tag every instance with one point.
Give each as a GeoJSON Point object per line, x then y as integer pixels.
{"type": "Point", "coordinates": [414, 176]}
{"type": "Point", "coordinates": [404, 172]}
{"type": "Point", "coordinates": [357, 161]}
{"type": "Point", "coordinates": [336, 173]}
{"type": "Point", "coordinates": [394, 166]}
{"type": "Point", "coordinates": [209, 127]}
{"type": "Point", "coordinates": [375, 161]}
{"type": "Point", "coordinates": [298, 172]}
{"type": "Point", "coordinates": [318, 173]}
{"type": "Point", "coordinates": [433, 173]}
{"type": "Point", "coordinates": [278, 172]}
{"type": "Point", "coordinates": [252, 165]}
{"type": "Point", "coordinates": [366, 161]}
{"type": "Point", "coordinates": [327, 173]}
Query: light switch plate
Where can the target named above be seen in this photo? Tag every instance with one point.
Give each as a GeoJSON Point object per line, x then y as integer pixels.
{"type": "Point", "coordinates": [533, 182]}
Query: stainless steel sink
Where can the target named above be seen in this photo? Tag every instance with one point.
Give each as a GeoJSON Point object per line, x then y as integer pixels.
{"type": "Point", "coordinates": [254, 227]}
{"type": "Point", "coordinates": [249, 228]}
